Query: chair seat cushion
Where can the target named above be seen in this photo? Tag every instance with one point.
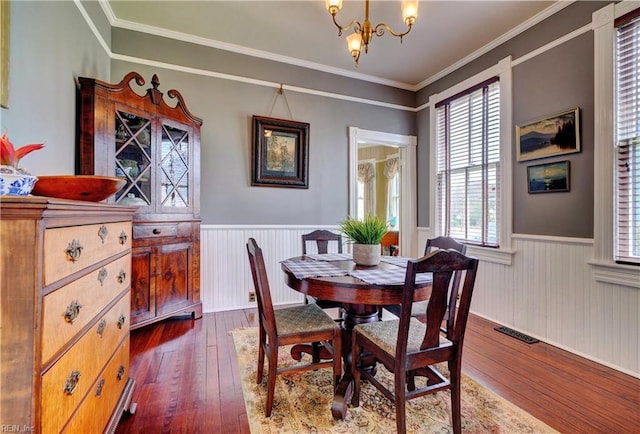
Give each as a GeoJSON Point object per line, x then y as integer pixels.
{"type": "Point", "coordinates": [303, 318]}
{"type": "Point", "coordinates": [419, 308]}
{"type": "Point", "coordinates": [385, 334]}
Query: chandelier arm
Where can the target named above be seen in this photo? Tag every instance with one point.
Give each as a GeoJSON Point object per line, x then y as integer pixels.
{"type": "Point", "coordinates": [380, 29]}
{"type": "Point", "coordinates": [354, 23]}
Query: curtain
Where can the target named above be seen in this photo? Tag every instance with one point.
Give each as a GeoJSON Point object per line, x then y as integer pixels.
{"type": "Point", "coordinates": [390, 171]}
{"type": "Point", "coordinates": [366, 175]}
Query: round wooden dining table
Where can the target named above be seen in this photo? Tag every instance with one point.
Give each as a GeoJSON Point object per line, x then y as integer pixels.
{"type": "Point", "coordinates": [360, 301]}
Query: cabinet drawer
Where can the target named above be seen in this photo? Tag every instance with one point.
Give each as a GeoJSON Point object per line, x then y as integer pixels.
{"type": "Point", "coordinates": [68, 250]}
{"type": "Point", "coordinates": [70, 308]}
{"type": "Point", "coordinates": [65, 385]}
{"type": "Point", "coordinates": [155, 231]}
{"type": "Point", "coordinates": [96, 409]}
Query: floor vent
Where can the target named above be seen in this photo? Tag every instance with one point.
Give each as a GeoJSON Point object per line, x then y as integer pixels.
{"type": "Point", "coordinates": [516, 334]}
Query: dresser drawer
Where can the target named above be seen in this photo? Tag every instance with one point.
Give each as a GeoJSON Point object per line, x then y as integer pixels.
{"type": "Point", "coordinates": [96, 409]}
{"type": "Point", "coordinates": [155, 231]}
{"type": "Point", "coordinates": [68, 381]}
{"type": "Point", "coordinates": [70, 308]}
{"type": "Point", "coordinates": [70, 249]}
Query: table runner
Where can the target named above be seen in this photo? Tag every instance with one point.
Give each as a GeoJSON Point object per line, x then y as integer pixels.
{"type": "Point", "coordinates": [331, 257]}
{"type": "Point", "coordinates": [303, 269]}
{"type": "Point", "coordinates": [388, 276]}
{"type": "Point", "coordinates": [400, 261]}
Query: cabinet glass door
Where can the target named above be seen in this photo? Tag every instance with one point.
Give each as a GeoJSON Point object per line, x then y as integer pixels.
{"type": "Point", "coordinates": [174, 163]}
{"type": "Point", "coordinates": [133, 158]}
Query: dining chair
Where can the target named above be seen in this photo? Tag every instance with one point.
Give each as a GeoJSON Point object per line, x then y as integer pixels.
{"type": "Point", "coordinates": [409, 348]}
{"type": "Point", "coordinates": [322, 238]}
{"type": "Point", "coordinates": [302, 324]}
{"type": "Point", "coordinates": [445, 243]}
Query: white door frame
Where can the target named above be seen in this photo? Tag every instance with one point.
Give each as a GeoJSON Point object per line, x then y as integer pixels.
{"type": "Point", "coordinates": [408, 199]}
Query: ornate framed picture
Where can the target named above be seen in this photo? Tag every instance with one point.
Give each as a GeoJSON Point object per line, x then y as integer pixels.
{"type": "Point", "coordinates": [280, 153]}
{"type": "Point", "coordinates": [553, 135]}
{"type": "Point", "coordinates": [547, 178]}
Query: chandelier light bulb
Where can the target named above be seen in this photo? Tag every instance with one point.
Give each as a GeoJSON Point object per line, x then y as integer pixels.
{"type": "Point", "coordinates": [354, 44]}
{"type": "Point", "coordinates": [333, 6]}
{"type": "Point", "coordinates": [409, 12]}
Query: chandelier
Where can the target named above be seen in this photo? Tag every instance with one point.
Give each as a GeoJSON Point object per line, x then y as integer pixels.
{"type": "Point", "coordinates": [363, 32]}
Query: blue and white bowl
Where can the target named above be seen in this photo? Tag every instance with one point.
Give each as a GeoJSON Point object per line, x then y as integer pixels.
{"type": "Point", "coordinates": [16, 184]}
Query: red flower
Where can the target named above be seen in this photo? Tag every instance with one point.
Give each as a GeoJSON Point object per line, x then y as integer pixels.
{"type": "Point", "coordinates": [9, 156]}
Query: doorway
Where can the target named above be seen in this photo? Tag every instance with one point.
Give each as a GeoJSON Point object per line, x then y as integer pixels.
{"type": "Point", "coordinates": [405, 148]}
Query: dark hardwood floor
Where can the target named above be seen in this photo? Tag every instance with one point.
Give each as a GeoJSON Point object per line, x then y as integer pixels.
{"type": "Point", "coordinates": [187, 380]}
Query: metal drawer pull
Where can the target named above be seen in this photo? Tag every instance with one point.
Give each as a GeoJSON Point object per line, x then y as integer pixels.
{"type": "Point", "coordinates": [122, 238]}
{"type": "Point", "coordinates": [103, 232]}
{"type": "Point", "coordinates": [120, 372]}
{"type": "Point", "coordinates": [122, 276]}
{"type": "Point", "coordinates": [72, 382]}
{"type": "Point", "coordinates": [101, 326]}
{"type": "Point", "coordinates": [74, 249]}
{"type": "Point", "coordinates": [72, 312]}
{"type": "Point", "coordinates": [99, 387]}
{"type": "Point", "coordinates": [157, 231]}
{"type": "Point", "coordinates": [121, 321]}
{"type": "Point", "coordinates": [102, 275]}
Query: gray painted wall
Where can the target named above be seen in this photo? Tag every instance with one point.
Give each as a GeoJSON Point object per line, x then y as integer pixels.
{"type": "Point", "coordinates": [558, 79]}
{"type": "Point", "coordinates": [226, 108]}
{"type": "Point", "coordinates": [51, 45]}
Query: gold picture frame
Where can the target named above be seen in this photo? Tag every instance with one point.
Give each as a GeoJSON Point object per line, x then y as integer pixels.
{"type": "Point", "coordinates": [553, 135]}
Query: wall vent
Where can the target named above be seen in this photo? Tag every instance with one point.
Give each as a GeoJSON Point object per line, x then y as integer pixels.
{"type": "Point", "coordinates": [516, 334]}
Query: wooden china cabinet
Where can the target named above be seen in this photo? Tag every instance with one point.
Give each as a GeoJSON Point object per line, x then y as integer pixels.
{"type": "Point", "coordinates": [156, 148]}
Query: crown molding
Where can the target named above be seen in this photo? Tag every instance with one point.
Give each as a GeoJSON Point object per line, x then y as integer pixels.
{"type": "Point", "coordinates": [157, 31]}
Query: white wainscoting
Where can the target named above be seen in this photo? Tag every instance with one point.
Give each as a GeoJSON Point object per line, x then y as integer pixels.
{"type": "Point", "coordinates": [548, 292]}
{"type": "Point", "coordinates": [225, 276]}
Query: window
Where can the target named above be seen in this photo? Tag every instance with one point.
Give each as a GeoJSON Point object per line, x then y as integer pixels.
{"type": "Point", "coordinates": [468, 165]}
{"type": "Point", "coordinates": [627, 139]}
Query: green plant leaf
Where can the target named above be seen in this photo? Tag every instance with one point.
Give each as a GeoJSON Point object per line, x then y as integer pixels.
{"type": "Point", "coordinates": [369, 230]}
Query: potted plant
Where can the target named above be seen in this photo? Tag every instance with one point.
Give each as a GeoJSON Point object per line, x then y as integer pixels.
{"type": "Point", "coordinates": [14, 180]}
{"type": "Point", "coordinates": [366, 235]}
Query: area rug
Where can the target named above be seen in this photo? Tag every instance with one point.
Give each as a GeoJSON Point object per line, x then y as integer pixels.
{"type": "Point", "coordinates": [302, 403]}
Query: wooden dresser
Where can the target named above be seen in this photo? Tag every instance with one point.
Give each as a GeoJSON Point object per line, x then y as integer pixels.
{"type": "Point", "coordinates": [64, 314]}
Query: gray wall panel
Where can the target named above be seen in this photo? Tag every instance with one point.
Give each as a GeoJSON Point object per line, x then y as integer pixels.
{"type": "Point", "coordinates": [50, 46]}
{"type": "Point", "coordinates": [182, 53]}
{"type": "Point", "coordinates": [226, 108]}
{"type": "Point", "coordinates": [557, 80]}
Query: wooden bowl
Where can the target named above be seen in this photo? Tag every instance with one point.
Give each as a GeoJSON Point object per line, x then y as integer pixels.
{"type": "Point", "coordinates": [89, 188]}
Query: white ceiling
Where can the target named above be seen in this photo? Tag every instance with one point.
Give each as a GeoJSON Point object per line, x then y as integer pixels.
{"type": "Point", "coordinates": [302, 32]}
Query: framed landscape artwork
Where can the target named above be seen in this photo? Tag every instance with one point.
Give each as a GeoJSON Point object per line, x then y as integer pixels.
{"type": "Point", "coordinates": [550, 177]}
{"type": "Point", "coordinates": [558, 134]}
{"type": "Point", "coordinates": [280, 153]}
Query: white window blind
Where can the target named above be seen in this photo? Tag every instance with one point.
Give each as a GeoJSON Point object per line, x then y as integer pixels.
{"type": "Point", "coordinates": [627, 130]}
{"type": "Point", "coordinates": [468, 165]}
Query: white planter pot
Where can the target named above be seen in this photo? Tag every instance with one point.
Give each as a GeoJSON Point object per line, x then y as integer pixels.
{"type": "Point", "coordinates": [366, 254]}
{"type": "Point", "coordinates": [16, 184]}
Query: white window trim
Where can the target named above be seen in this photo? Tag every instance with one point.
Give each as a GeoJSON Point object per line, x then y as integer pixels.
{"type": "Point", "coordinates": [604, 268]}
{"type": "Point", "coordinates": [503, 255]}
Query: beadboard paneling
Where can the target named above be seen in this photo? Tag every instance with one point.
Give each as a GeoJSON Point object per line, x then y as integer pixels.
{"type": "Point", "coordinates": [225, 274]}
